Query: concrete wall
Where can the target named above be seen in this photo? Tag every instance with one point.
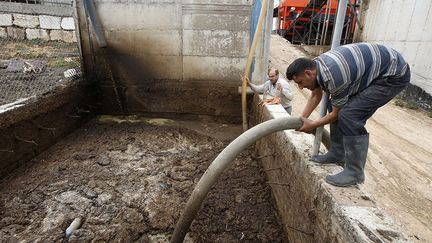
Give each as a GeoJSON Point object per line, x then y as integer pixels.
{"type": "Point", "coordinates": [31, 126]}
{"type": "Point", "coordinates": [405, 26]}
{"type": "Point", "coordinates": [171, 56]}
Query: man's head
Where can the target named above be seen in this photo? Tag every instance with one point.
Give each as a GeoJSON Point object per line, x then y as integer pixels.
{"type": "Point", "coordinates": [273, 75]}
{"type": "Point", "coordinates": [303, 71]}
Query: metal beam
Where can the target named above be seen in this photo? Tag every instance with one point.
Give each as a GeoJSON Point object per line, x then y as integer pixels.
{"type": "Point", "coordinates": [337, 35]}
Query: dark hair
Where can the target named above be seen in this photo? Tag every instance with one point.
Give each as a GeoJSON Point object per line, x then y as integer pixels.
{"type": "Point", "coordinates": [299, 66]}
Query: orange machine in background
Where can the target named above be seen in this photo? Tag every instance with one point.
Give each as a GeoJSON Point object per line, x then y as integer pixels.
{"type": "Point", "coordinates": [311, 22]}
{"type": "Point", "coordinates": [288, 11]}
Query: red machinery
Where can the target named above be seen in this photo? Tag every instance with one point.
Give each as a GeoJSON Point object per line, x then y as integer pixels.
{"type": "Point", "coordinates": [311, 22]}
{"type": "Point", "coordinates": [286, 10]}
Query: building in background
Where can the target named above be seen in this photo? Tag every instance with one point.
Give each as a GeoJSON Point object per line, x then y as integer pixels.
{"type": "Point", "coordinates": [405, 26]}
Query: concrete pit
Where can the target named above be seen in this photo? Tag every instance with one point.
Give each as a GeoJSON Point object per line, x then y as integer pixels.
{"type": "Point", "coordinates": [128, 179]}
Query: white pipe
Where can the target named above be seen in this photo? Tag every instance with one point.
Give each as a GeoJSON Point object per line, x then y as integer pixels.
{"type": "Point", "coordinates": [340, 20]}
{"type": "Point", "coordinates": [90, 9]}
{"type": "Point", "coordinates": [222, 161]}
{"type": "Point", "coordinates": [337, 34]}
{"type": "Point", "coordinates": [76, 223]}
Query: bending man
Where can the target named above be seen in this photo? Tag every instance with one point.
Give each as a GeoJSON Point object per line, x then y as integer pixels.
{"type": "Point", "coordinates": [359, 78]}
{"type": "Point", "coordinates": [275, 86]}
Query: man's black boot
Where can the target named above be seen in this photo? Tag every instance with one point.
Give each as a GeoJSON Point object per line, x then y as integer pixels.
{"type": "Point", "coordinates": [336, 154]}
{"type": "Point", "coordinates": [356, 148]}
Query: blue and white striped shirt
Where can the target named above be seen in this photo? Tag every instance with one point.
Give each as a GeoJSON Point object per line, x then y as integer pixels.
{"type": "Point", "coordinates": [349, 69]}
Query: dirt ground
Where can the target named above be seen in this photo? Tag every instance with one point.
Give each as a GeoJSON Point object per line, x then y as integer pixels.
{"type": "Point", "coordinates": [399, 161]}
{"type": "Point", "coordinates": [128, 179]}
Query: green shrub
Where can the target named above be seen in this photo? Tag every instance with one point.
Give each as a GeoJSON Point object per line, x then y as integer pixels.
{"type": "Point", "coordinates": [406, 103]}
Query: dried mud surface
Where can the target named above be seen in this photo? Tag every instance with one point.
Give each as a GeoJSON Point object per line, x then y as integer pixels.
{"type": "Point", "coordinates": [129, 179]}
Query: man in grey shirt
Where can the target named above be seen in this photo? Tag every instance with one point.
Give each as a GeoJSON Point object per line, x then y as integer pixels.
{"type": "Point", "coordinates": [275, 86]}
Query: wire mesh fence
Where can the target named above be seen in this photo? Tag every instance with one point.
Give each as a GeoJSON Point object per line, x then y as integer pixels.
{"type": "Point", "coordinates": [42, 2]}
{"type": "Point", "coordinates": [39, 51]}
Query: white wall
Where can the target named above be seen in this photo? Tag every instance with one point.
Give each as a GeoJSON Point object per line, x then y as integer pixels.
{"type": "Point", "coordinates": [406, 26]}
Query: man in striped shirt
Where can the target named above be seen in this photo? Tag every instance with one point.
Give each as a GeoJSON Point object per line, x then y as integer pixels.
{"type": "Point", "coordinates": [359, 78]}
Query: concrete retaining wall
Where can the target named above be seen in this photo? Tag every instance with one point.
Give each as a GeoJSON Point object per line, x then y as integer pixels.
{"type": "Point", "coordinates": [171, 56]}
{"type": "Point", "coordinates": [405, 26]}
{"type": "Point", "coordinates": [312, 210]}
{"type": "Point", "coordinates": [43, 27]}
{"type": "Point", "coordinates": [30, 127]}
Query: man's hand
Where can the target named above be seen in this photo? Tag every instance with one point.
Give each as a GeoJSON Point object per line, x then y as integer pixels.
{"type": "Point", "coordinates": [274, 101]}
{"type": "Point", "coordinates": [308, 125]}
{"type": "Point", "coordinates": [247, 81]}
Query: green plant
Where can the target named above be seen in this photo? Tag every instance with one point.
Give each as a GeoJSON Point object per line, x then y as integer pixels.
{"type": "Point", "coordinates": [411, 105]}
{"type": "Point", "coordinates": [61, 62]}
{"type": "Point", "coordinates": [37, 41]}
{"type": "Point", "coordinates": [406, 103]}
{"type": "Point", "coordinates": [399, 102]}
{"type": "Point", "coordinates": [29, 55]}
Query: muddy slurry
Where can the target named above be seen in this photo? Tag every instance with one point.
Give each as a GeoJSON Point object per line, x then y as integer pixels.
{"type": "Point", "coordinates": [128, 181]}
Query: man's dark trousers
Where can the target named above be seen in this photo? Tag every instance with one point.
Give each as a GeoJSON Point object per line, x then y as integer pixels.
{"type": "Point", "coordinates": [360, 107]}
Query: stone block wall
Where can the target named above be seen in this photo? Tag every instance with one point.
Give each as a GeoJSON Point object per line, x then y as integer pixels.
{"type": "Point", "coordinates": [30, 27]}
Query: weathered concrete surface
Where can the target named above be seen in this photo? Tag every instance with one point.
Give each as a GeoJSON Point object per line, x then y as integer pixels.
{"type": "Point", "coordinates": [199, 99]}
{"type": "Point", "coordinates": [215, 43]}
{"type": "Point", "coordinates": [28, 130]}
{"type": "Point", "coordinates": [192, 53]}
{"type": "Point", "coordinates": [3, 32]}
{"type": "Point", "coordinates": [312, 210]}
{"type": "Point", "coordinates": [405, 26]}
{"type": "Point", "coordinates": [50, 22]}
{"type": "Point", "coordinates": [24, 8]}
{"type": "Point", "coordinates": [66, 36]}
{"type": "Point", "coordinates": [36, 25]}
{"type": "Point", "coordinates": [37, 34]}
{"type": "Point", "coordinates": [68, 23]}
{"type": "Point", "coordinates": [5, 19]}
{"type": "Point", "coordinates": [15, 33]}
{"type": "Point", "coordinates": [26, 21]}
{"type": "Point", "coordinates": [148, 42]}
{"type": "Point", "coordinates": [204, 68]}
